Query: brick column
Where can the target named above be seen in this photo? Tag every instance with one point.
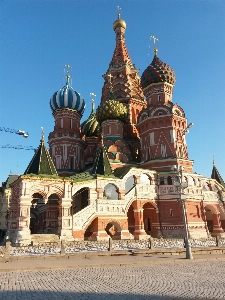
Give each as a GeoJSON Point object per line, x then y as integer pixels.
{"type": "Point", "coordinates": [217, 229]}
{"type": "Point", "coordinates": [19, 221]}
{"type": "Point", "coordinates": [139, 231]}
{"type": "Point", "coordinates": [121, 195]}
{"type": "Point", "coordinates": [66, 219]}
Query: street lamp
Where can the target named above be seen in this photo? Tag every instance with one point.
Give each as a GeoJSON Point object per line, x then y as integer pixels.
{"type": "Point", "coordinates": [182, 185]}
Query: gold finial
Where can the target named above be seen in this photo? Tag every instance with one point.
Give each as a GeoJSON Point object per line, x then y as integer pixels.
{"type": "Point", "coordinates": [42, 133]}
{"type": "Point", "coordinates": [92, 95]}
{"type": "Point", "coordinates": [155, 51]}
{"type": "Point", "coordinates": [118, 9]}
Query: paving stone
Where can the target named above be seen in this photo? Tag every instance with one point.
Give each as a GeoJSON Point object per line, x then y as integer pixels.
{"type": "Point", "coordinates": [197, 280]}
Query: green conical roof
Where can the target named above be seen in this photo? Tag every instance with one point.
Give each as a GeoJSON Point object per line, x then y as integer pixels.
{"type": "Point", "coordinates": [216, 175]}
{"type": "Point", "coordinates": [41, 163]}
{"type": "Point", "coordinates": [90, 126]}
{"type": "Point", "coordinates": [102, 165]}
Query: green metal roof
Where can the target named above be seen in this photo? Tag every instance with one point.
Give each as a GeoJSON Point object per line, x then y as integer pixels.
{"type": "Point", "coordinates": [41, 163]}
{"type": "Point", "coordinates": [81, 177]}
{"type": "Point", "coordinates": [121, 172]}
{"type": "Point", "coordinates": [216, 175]}
{"type": "Point", "coordinates": [102, 165]}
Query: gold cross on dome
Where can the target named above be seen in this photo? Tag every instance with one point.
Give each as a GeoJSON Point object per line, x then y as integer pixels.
{"type": "Point", "coordinates": [118, 9]}
{"type": "Point", "coordinates": [110, 78]}
{"type": "Point", "coordinates": [92, 95]}
{"type": "Point", "coordinates": [155, 39]}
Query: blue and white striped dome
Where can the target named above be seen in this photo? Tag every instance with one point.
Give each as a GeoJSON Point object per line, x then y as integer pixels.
{"type": "Point", "coordinates": [67, 97]}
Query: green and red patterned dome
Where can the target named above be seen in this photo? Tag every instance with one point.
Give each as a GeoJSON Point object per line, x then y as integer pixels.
{"type": "Point", "coordinates": [90, 126]}
{"type": "Point", "coordinates": [156, 72]}
{"type": "Point", "coordinates": [111, 110]}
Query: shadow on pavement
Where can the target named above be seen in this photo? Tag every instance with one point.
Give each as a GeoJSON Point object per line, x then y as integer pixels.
{"type": "Point", "coordinates": [40, 295]}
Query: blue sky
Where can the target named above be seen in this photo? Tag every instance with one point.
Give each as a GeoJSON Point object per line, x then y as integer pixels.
{"type": "Point", "coordinates": [39, 37]}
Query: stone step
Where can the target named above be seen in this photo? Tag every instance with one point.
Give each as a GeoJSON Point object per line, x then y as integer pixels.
{"type": "Point", "coordinates": [43, 238]}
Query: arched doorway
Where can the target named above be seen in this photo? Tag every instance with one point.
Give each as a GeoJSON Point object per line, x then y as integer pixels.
{"type": "Point", "coordinates": [80, 200]}
{"type": "Point", "coordinates": [131, 219]}
{"type": "Point", "coordinates": [37, 214]}
{"type": "Point", "coordinates": [52, 214]}
{"type": "Point", "coordinates": [150, 218]}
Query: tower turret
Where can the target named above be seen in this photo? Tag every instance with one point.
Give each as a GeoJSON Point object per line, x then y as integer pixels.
{"type": "Point", "coordinates": [66, 144]}
{"type": "Point", "coordinates": [162, 125]}
{"type": "Point", "coordinates": [123, 76]}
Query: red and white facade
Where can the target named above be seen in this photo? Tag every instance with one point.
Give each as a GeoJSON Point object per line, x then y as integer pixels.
{"type": "Point", "coordinates": [141, 199]}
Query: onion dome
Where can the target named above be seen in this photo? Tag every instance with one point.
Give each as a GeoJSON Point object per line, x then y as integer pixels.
{"type": "Point", "coordinates": [111, 110]}
{"type": "Point", "coordinates": [67, 98]}
{"type": "Point", "coordinates": [90, 126]}
{"type": "Point", "coordinates": [156, 72]}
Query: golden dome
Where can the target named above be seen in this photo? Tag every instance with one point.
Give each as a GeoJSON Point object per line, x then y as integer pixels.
{"type": "Point", "coordinates": [119, 23]}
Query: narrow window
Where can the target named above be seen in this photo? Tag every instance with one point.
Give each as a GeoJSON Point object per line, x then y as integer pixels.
{"type": "Point", "coordinates": [171, 212]}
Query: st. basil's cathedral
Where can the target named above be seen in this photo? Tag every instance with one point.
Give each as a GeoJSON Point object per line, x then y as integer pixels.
{"type": "Point", "coordinates": [114, 175]}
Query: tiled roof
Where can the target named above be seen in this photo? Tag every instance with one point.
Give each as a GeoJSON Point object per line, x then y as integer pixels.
{"type": "Point", "coordinates": [41, 162]}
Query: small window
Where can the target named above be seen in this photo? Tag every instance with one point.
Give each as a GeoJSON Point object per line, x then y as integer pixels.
{"type": "Point", "coordinates": [159, 98]}
{"type": "Point", "coordinates": [171, 212]}
{"type": "Point", "coordinates": [160, 113]}
{"type": "Point", "coordinates": [161, 180]}
{"type": "Point", "coordinates": [169, 180]}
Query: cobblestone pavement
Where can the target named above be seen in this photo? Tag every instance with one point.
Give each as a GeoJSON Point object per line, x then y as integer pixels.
{"type": "Point", "coordinates": [187, 280]}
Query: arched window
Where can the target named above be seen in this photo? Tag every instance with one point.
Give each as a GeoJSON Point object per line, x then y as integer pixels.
{"type": "Point", "coordinates": [205, 186]}
{"type": "Point", "coordinates": [144, 179]}
{"type": "Point", "coordinates": [129, 184]}
{"type": "Point", "coordinates": [110, 192]}
{"type": "Point", "coordinates": [191, 181]}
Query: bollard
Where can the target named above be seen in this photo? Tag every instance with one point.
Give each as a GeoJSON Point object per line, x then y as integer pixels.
{"type": "Point", "coordinates": [218, 244]}
{"type": "Point", "coordinates": [110, 245]}
{"type": "Point", "coordinates": [150, 243]}
{"type": "Point", "coordinates": [62, 250]}
{"type": "Point", "coordinates": [7, 250]}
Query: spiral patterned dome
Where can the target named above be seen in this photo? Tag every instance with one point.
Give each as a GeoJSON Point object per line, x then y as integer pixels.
{"type": "Point", "coordinates": [111, 110]}
{"type": "Point", "coordinates": [67, 98]}
{"type": "Point", "coordinates": [90, 126]}
{"type": "Point", "coordinates": [156, 72]}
